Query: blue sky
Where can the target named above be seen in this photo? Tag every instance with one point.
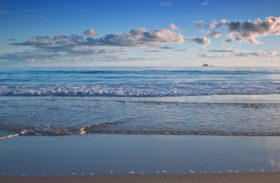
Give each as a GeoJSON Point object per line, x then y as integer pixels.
{"type": "Point", "coordinates": [219, 32]}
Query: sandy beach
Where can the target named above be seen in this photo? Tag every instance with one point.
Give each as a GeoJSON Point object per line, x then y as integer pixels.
{"type": "Point", "coordinates": [190, 178]}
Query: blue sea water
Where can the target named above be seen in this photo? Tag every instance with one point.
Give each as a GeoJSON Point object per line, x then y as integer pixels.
{"type": "Point", "coordinates": [138, 82]}
{"type": "Point", "coordinates": [71, 120]}
{"type": "Point", "coordinates": [140, 100]}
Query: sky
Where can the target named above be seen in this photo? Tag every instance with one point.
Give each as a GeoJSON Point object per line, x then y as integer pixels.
{"type": "Point", "coordinates": [139, 32]}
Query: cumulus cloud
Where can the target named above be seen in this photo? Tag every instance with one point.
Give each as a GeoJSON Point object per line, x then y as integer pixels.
{"type": "Point", "coordinates": [249, 31]}
{"type": "Point", "coordinates": [217, 23]}
{"type": "Point", "coordinates": [134, 38]}
{"type": "Point", "coordinates": [172, 26]}
{"type": "Point", "coordinates": [165, 4]}
{"type": "Point", "coordinates": [59, 42]}
{"type": "Point", "coordinates": [85, 44]}
{"type": "Point", "coordinates": [200, 40]}
{"type": "Point", "coordinates": [226, 41]}
{"type": "Point", "coordinates": [139, 38]}
{"type": "Point", "coordinates": [214, 33]}
{"type": "Point", "coordinates": [89, 33]}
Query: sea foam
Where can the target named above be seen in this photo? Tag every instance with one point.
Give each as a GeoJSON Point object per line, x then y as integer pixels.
{"type": "Point", "coordinates": [141, 89]}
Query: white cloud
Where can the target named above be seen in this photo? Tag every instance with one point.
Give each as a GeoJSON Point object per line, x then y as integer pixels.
{"type": "Point", "coordinates": [89, 33]}
{"type": "Point", "coordinates": [210, 56]}
{"type": "Point", "coordinates": [165, 4]}
{"type": "Point", "coordinates": [217, 23]}
{"type": "Point", "coordinates": [214, 33]}
{"type": "Point", "coordinates": [256, 54]}
{"type": "Point", "coordinates": [203, 40]}
{"type": "Point", "coordinates": [249, 31]}
{"type": "Point", "coordinates": [77, 46]}
{"type": "Point", "coordinates": [139, 38]}
{"type": "Point", "coordinates": [205, 3]}
{"type": "Point", "coordinates": [172, 26]}
{"type": "Point", "coordinates": [226, 41]}
{"type": "Point", "coordinates": [134, 38]}
{"type": "Point", "coordinates": [239, 53]}
{"type": "Point", "coordinates": [223, 51]}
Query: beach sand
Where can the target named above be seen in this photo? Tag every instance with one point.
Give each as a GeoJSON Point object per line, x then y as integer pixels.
{"type": "Point", "coordinates": [100, 153]}
{"type": "Point", "coordinates": [189, 178]}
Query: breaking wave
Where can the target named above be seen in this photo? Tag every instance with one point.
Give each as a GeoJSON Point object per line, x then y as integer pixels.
{"type": "Point", "coordinates": [37, 131]}
{"type": "Point", "coordinates": [101, 129]}
{"type": "Point", "coordinates": [141, 90]}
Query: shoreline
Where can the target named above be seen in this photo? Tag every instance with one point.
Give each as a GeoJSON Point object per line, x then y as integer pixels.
{"type": "Point", "coordinates": [263, 177]}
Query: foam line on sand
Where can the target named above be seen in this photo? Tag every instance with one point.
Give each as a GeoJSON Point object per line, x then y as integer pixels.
{"type": "Point", "coordinates": [190, 178]}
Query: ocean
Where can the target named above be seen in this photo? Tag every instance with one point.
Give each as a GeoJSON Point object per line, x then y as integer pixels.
{"type": "Point", "coordinates": [140, 100]}
{"type": "Point", "coordinates": [43, 103]}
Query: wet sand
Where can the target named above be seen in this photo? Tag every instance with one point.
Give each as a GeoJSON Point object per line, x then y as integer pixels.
{"type": "Point", "coordinates": [100, 153]}
{"type": "Point", "coordinates": [190, 178]}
